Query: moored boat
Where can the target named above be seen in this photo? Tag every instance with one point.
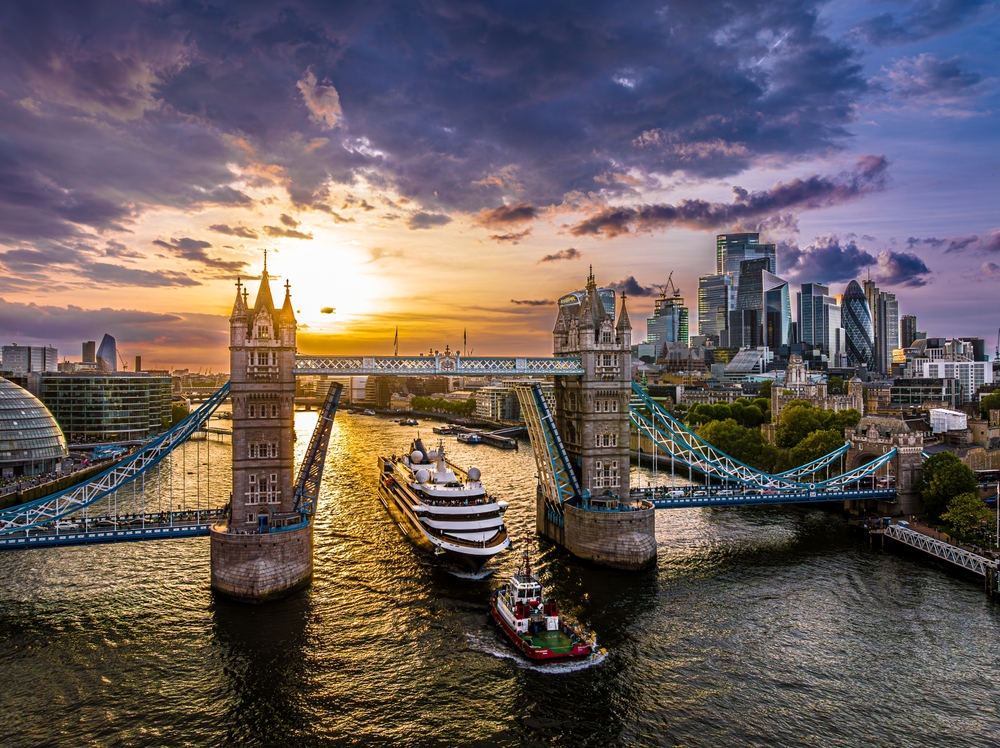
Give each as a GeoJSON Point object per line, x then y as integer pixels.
{"type": "Point", "coordinates": [442, 508]}
{"type": "Point", "coordinates": [444, 430]}
{"type": "Point", "coordinates": [533, 624]}
{"type": "Point", "coordinates": [473, 438]}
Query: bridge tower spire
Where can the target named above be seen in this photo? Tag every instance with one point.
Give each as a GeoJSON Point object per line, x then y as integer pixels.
{"type": "Point", "coordinates": [592, 418]}
{"type": "Point", "coordinates": [264, 548]}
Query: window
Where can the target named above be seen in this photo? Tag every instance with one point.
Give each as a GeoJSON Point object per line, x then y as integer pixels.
{"type": "Point", "coordinates": [253, 451]}
{"type": "Point", "coordinates": [274, 477]}
{"type": "Point", "coordinates": [261, 358]}
{"type": "Point", "coordinates": [253, 411]}
{"type": "Point", "coordinates": [606, 337]}
{"type": "Point", "coordinates": [263, 331]}
{"type": "Point", "coordinates": [614, 406]}
{"type": "Point", "coordinates": [251, 517]}
{"type": "Point", "coordinates": [274, 411]}
{"type": "Point", "coordinates": [253, 478]}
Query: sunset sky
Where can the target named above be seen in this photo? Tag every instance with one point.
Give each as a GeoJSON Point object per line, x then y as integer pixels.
{"type": "Point", "coordinates": [439, 166]}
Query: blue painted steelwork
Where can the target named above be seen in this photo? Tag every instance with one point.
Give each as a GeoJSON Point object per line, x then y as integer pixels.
{"type": "Point", "coordinates": [694, 452]}
{"type": "Point", "coordinates": [449, 364]}
{"type": "Point", "coordinates": [816, 465]}
{"type": "Point", "coordinates": [555, 471]}
{"type": "Point", "coordinates": [311, 472]}
{"type": "Point", "coordinates": [662, 499]}
{"type": "Point", "coordinates": [49, 509]}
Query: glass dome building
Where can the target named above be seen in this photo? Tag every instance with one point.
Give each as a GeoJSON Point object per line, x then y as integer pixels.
{"type": "Point", "coordinates": [856, 317]}
{"type": "Point", "coordinates": [31, 442]}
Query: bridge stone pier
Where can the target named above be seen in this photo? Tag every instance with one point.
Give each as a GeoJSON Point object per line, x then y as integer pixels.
{"type": "Point", "coordinates": [263, 549]}
{"type": "Point", "coordinates": [875, 436]}
{"type": "Point", "coordinates": [592, 416]}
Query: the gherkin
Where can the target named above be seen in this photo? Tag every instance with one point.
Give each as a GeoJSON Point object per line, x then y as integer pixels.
{"type": "Point", "coordinates": [858, 327]}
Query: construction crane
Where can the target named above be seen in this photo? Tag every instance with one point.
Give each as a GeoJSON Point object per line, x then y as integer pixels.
{"type": "Point", "coordinates": [669, 285]}
{"type": "Point", "coordinates": [996, 356]}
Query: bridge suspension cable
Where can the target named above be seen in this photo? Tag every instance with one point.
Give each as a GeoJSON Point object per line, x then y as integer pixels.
{"type": "Point", "coordinates": [64, 503]}
{"type": "Point", "coordinates": [311, 472]}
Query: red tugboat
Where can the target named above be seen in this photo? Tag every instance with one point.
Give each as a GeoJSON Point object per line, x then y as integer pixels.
{"type": "Point", "coordinates": [533, 624]}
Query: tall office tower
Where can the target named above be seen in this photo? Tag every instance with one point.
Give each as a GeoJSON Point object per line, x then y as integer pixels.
{"type": "Point", "coordinates": [716, 299]}
{"type": "Point", "coordinates": [776, 318]}
{"type": "Point", "coordinates": [891, 330]}
{"type": "Point", "coordinates": [745, 321]}
{"type": "Point", "coordinates": [89, 352]}
{"type": "Point", "coordinates": [884, 310]}
{"type": "Point", "coordinates": [908, 331]}
{"type": "Point", "coordinates": [23, 359]}
{"type": "Point", "coordinates": [107, 354]}
{"type": "Point", "coordinates": [820, 320]}
{"type": "Point", "coordinates": [732, 249]}
{"type": "Point", "coordinates": [669, 323]}
{"type": "Point", "coordinates": [858, 330]}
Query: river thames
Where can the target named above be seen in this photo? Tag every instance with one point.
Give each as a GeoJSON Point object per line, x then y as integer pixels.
{"type": "Point", "coordinates": [757, 627]}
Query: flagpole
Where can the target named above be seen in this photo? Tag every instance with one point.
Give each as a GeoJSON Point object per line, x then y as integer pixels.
{"type": "Point", "coordinates": [395, 343]}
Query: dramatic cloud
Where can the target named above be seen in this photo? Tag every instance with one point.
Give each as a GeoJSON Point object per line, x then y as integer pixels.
{"type": "Point", "coordinates": [427, 220]}
{"type": "Point", "coordinates": [631, 287]}
{"type": "Point", "coordinates": [506, 214]}
{"type": "Point", "coordinates": [277, 231]}
{"type": "Point", "coordinates": [563, 254]}
{"type": "Point", "coordinates": [810, 193]}
{"type": "Point", "coordinates": [194, 251]}
{"type": "Point", "coordinates": [323, 102]}
{"type": "Point", "coordinates": [828, 260]}
{"type": "Point", "coordinates": [926, 81]}
{"type": "Point", "coordinates": [530, 302]}
{"type": "Point", "coordinates": [117, 249]}
{"type": "Point", "coordinates": [118, 275]}
{"type": "Point", "coordinates": [289, 221]}
{"type": "Point", "coordinates": [241, 231]}
{"type": "Point", "coordinates": [921, 20]}
{"type": "Point", "coordinates": [901, 269]}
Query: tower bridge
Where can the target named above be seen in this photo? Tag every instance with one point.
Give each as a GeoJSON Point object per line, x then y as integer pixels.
{"type": "Point", "coordinates": [260, 518]}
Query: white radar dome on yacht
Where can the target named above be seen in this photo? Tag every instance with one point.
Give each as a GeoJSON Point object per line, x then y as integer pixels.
{"type": "Point", "coordinates": [416, 456]}
{"type": "Point", "coordinates": [422, 475]}
{"type": "Point", "coordinates": [432, 455]}
{"type": "Point", "coordinates": [474, 473]}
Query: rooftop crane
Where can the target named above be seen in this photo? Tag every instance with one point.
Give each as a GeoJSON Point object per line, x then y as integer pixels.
{"type": "Point", "coordinates": [663, 287]}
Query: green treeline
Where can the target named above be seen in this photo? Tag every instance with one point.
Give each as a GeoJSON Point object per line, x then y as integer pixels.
{"type": "Point", "coordinates": [440, 405]}
{"type": "Point", "coordinates": [804, 433]}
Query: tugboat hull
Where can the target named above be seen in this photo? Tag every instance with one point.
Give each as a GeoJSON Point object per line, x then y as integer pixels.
{"type": "Point", "coordinates": [543, 646]}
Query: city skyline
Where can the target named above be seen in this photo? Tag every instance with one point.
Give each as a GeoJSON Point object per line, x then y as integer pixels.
{"type": "Point", "coordinates": [448, 169]}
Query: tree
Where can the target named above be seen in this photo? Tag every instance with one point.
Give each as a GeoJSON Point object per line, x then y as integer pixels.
{"type": "Point", "coordinates": [798, 420]}
{"type": "Point", "coordinates": [845, 419]}
{"type": "Point", "coordinates": [815, 445]}
{"type": "Point", "coordinates": [944, 477]}
{"type": "Point", "coordinates": [988, 403]}
{"type": "Point", "coordinates": [967, 515]}
{"type": "Point", "coordinates": [835, 386]}
{"type": "Point", "coordinates": [765, 389]}
{"type": "Point", "coordinates": [178, 412]}
{"type": "Point", "coordinates": [739, 442]}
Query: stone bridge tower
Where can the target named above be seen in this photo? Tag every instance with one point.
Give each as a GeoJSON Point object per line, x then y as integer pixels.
{"type": "Point", "coordinates": [263, 550]}
{"type": "Point", "coordinates": [876, 435]}
{"type": "Point", "coordinates": [592, 416]}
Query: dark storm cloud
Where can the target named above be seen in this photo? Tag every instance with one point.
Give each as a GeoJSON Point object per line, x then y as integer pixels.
{"type": "Point", "coordinates": [920, 20]}
{"type": "Point", "coordinates": [826, 260]}
{"type": "Point", "coordinates": [572, 253]}
{"type": "Point", "coordinates": [194, 250]}
{"type": "Point", "coordinates": [117, 249]}
{"type": "Point", "coordinates": [241, 231]}
{"type": "Point", "coordinates": [111, 110]}
{"type": "Point", "coordinates": [901, 269]}
{"type": "Point", "coordinates": [530, 302]}
{"type": "Point", "coordinates": [631, 287]}
{"type": "Point", "coordinates": [277, 231]}
{"type": "Point", "coordinates": [812, 192]}
{"type": "Point", "coordinates": [427, 220]}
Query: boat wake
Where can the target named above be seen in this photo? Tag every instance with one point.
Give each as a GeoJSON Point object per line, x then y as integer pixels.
{"type": "Point", "coordinates": [484, 574]}
{"type": "Point", "coordinates": [487, 643]}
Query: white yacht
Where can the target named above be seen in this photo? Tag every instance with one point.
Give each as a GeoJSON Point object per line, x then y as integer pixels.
{"type": "Point", "coordinates": [442, 508]}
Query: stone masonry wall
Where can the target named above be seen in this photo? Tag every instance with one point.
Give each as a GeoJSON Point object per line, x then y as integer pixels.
{"type": "Point", "coordinates": [256, 568]}
{"type": "Point", "coordinates": [621, 540]}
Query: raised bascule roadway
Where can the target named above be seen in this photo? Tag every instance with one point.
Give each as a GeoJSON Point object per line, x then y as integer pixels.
{"type": "Point", "coordinates": [260, 519]}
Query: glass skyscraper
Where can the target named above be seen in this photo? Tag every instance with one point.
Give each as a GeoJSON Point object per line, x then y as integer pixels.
{"type": "Point", "coordinates": [107, 354]}
{"type": "Point", "coordinates": [777, 311]}
{"type": "Point", "coordinates": [716, 299]}
{"type": "Point", "coordinates": [820, 320]}
{"type": "Point", "coordinates": [732, 249]}
{"type": "Point", "coordinates": [858, 329]}
{"type": "Point", "coordinates": [669, 323]}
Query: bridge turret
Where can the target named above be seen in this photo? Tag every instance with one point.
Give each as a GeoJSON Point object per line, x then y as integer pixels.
{"type": "Point", "coordinates": [248, 561]}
